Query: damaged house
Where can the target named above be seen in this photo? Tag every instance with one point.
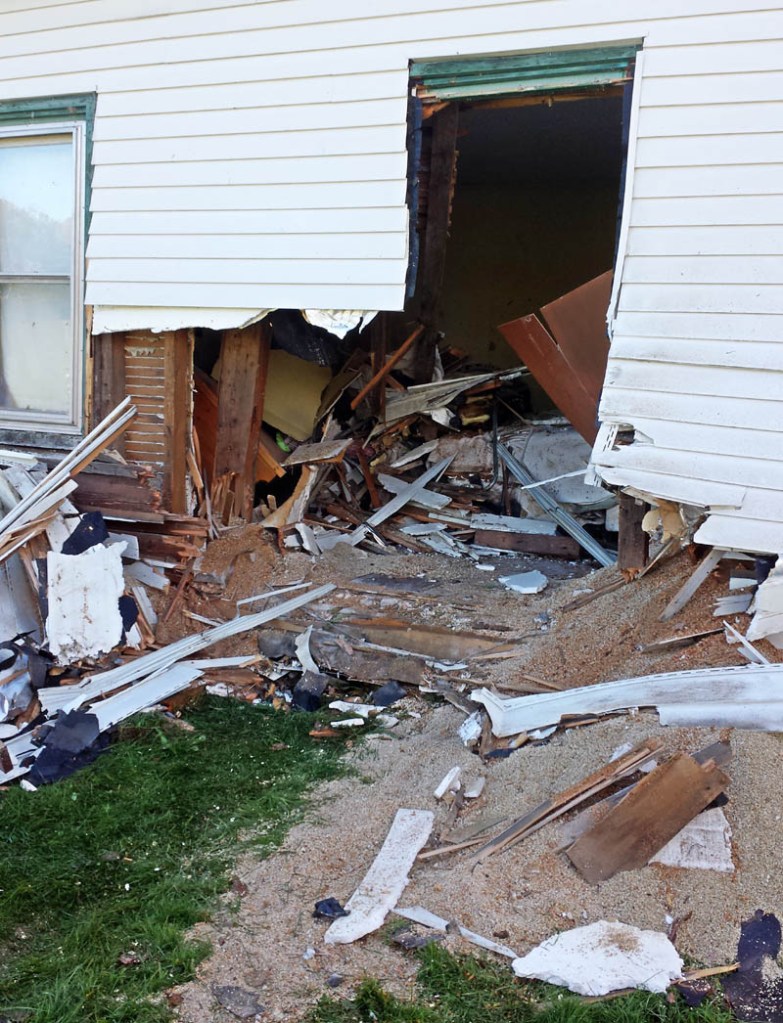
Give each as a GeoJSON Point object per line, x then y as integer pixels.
{"type": "Point", "coordinates": [209, 207]}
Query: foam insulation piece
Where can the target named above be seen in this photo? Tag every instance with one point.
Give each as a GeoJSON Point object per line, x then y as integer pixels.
{"type": "Point", "coordinates": [603, 957]}
{"type": "Point", "coordinates": [703, 844]}
{"type": "Point", "coordinates": [386, 879]}
{"type": "Point", "coordinates": [338, 321]}
{"type": "Point", "coordinates": [83, 592]}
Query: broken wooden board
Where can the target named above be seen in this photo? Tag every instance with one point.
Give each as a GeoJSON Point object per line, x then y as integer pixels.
{"type": "Point", "coordinates": [541, 354]}
{"type": "Point", "coordinates": [577, 321]}
{"type": "Point", "coordinates": [386, 879]}
{"type": "Point", "coordinates": [529, 543]}
{"type": "Point", "coordinates": [554, 807]}
{"type": "Point", "coordinates": [652, 813]}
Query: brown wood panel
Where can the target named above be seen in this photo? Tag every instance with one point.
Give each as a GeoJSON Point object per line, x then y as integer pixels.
{"type": "Point", "coordinates": [577, 321]}
{"type": "Point", "coordinates": [652, 813]}
{"type": "Point", "coordinates": [529, 543]}
{"type": "Point", "coordinates": [109, 378]}
{"type": "Point", "coordinates": [539, 351]}
{"type": "Point", "coordinates": [244, 360]}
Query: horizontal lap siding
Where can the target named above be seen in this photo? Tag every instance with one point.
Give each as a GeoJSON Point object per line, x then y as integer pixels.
{"type": "Point", "coordinates": [252, 155]}
{"type": "Point", "coordinates": [696, 364]}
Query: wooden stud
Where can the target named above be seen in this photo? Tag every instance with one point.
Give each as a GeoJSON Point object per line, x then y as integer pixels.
{"type": "Point", "coordinates": [177, 416]}
{"type": "Point", "coordinates": [633, 542]}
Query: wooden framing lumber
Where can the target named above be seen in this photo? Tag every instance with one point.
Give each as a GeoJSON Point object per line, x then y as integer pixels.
{"type": "Point", "coordinates": [633, 546]}
{"type": "Point", "coordinates": [653, 812]}
{"type": "Point", "coordinates": [557, 805]}
{"type": "Point", "coordinates": [244, 363]}
{"type": "Point", "coordinates": [528, 543]}
{"type": "Point", "coordinates": [387, 367]}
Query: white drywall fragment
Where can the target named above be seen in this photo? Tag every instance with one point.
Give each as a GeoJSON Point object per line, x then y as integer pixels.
{"type": "Point", "coordinates": [83, 591]}
{"type": "Point", "coordinates": [603, 957]}
{"type": "Point", "coordinates": [474, 790]}
{"type": "Point", "coordinates": [703, 844]}
{"type": "Point", "coordinates": [364, 710]}
{"type": "Point", "coordinates": [387, 720]}
{"type": "Point", "coordinates": [349, 723]}
{"type": "Point", "coordinates": [525, 582]}
{"type": "Point", "coordinates": [470, 729]}
{"type": "Point", "coordinates": [386, 879]}
{"type": "Point", "coordinates": [450, 783]}
{"type": "Point", "coordinates": [419, 915]}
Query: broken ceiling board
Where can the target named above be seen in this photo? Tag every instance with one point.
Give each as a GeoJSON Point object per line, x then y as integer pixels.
{"type": "Point", "coordinates": [293, 393]}
{"type": "Point", "coordinates": [603, 957]}
{"type": "Point", "coordinates": [653, 812]}
{"type": "Point", "coordinates": [512, 523]}
{"type": "Point", "coordinates": [703, 844]}
{"type": "Point", "coordinates": [577, 321]}
{"type": "Point", "coordinates": [386, 879]}
{"type": "Point", "coordinates": [745, 696]}
{"type": "Point", "coordinates": [540, 353]}
{"type": "Point", "coordinates": [424, 498]}
{"type": "Point", "coordinates": [323, 451]}
{"type": "Point", "coordinates": [83, 592]}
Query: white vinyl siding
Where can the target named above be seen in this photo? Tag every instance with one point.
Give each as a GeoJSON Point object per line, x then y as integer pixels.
{"type": "Point", "coordinates": [250, 155]}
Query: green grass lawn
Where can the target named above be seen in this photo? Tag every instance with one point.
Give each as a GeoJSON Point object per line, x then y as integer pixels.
{"type": "Point", "coordinates": [468, 990]}
{"type": "Point", "coordinates": [127, 854]}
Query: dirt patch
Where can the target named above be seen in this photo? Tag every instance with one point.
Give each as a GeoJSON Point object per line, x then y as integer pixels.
{"type": "Point", "coordinates": [275, 947]}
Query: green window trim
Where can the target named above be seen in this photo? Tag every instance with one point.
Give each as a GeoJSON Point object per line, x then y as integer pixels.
{"type": "Point", "coordinates": [544, 71]}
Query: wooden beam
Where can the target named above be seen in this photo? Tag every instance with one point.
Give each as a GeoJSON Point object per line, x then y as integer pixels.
{"type": "Point", "coordinates": [387, 367]}
{"type": "Point", "coordinates": [443, 169]}
{"type": "Point", "coordinates": [243, 370]}
{"type": "Point", "coordinates": [109, 378]}
{"type": "Point", "coordinates": [633, 547]}
{"type": "Point", "coordinates": [529, 543]}
{"type": "Point", "coordinates": [177, 416]}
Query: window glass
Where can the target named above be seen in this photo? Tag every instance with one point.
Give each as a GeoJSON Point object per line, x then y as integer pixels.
{"type": "Point", "coordinates": [36, 348]}
{"type": "Point", "coordinates": [36, 205]}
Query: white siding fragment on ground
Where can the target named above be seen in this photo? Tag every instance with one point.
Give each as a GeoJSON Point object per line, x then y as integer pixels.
{"type": "Point", "coordinates": [385, 881]}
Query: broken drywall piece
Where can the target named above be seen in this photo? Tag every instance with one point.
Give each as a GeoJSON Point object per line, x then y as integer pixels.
{"type": "Point", "coordinates": [470, 729]}
{"type": "Point", "coordinates": [603, 957]}
{"type": "Point", "coordinates": [419, 915]}
{"type": "Point", "coordinates": [450, 783]}
{"type": "Point", "coordinates": [474, 790]}
{"type": "Point", "coordinates": [525, 582]}
{"type": "Point", "coordinates": [386, 879]}
{"type": "Point", "coordinates": [703, 844]}
{"type": "Point", "coordinates": [83, 591]}
{"type": "Point", "coordinates": [768, 618]}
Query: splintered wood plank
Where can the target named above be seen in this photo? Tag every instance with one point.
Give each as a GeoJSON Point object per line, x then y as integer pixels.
{"type": "Point", "coordinates": [633, 546]}
{"type": "Point", "coordinates": [539, 351]}
{"type": "Point", "coordinates": [244, 363]}
{"type": "Point", "coordinates": [557, 805]}
{"type": "Point", "coordinates": [652, 813]}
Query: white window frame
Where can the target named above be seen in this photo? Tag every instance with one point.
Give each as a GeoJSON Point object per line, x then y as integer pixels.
{"type": "Point", "coordinates": [70, 423]}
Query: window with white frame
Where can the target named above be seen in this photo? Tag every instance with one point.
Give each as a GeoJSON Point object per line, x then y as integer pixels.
{"type": "Point", "coordinates": [41, 271]}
